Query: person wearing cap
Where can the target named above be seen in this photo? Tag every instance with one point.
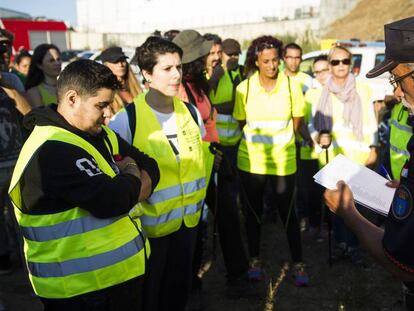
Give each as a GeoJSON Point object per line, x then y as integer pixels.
{"type": "Point", "coordinates": [41, 80]}
{"type": "Point", "coordinates": [160, 124]}
{"type": "Point", "coordinates": [392, 246]}
{"type": "Point", "coordinates": [222, 96]}
{"type": "Point", "coordinates": [115, 59]}
{"type": "Point", "coordinates": [269, 116]}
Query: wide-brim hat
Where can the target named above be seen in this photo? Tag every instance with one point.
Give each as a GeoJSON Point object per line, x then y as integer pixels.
{"type": "Point", "coordinates": [193, 45]}
{"type": "Point", "coordinates": [399, 46]}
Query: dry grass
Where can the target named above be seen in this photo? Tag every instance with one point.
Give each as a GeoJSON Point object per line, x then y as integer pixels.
{"type": "Point", "coordinates": [366, 21]}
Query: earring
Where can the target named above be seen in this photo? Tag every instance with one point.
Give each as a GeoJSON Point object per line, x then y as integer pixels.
{"type": "Point", "coordinates": [149, 81]}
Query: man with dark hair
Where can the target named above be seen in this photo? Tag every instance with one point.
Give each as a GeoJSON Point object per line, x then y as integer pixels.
{"type": "Point", "coordinates": [292, 57]}
{"type": "Point", "coordinates": [75, 191]}
{"type": "Point", "coordinates": [391, 247]}
{"type": "Point", "coordinates": [214, 57]}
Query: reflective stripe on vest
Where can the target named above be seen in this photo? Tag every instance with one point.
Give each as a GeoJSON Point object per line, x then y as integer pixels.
{"type": "Point", "coordinates": [176, 191]}
{"type": "Point", "coordinates": [66, 228]}
{"type": "Point", "coordinates": [172, 215]}
{"type": "Point", "coordinates": [401, 127]}
{"type": "Point", "coordinates": [399, 151]}
{"type": "Point", "coordinates": [270, 140]}
{"type": "Point", "coordinates": [86, 264]}
{"type": "Point", "coordinates": [276, 125]}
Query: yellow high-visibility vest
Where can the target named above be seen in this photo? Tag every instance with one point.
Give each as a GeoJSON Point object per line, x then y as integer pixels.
{"type": "Point", "coordinates": [227, 127]}
{"type": "Point", "coordinates": [267, 146]}
{"type": "Point", "coordinates": [71, 253]}
{"type": "Point", "coordinates": [400, 134]}
{"type": "Point", "coordinates": [181, 190]}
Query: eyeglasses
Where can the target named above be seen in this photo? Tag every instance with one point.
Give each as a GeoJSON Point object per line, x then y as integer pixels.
{"type": "Point", "coordinates": [394, 81]}
{"type": "Point", "coordinates": [336, 62]}
{"type": "Point", "coordinates": [317, 72]}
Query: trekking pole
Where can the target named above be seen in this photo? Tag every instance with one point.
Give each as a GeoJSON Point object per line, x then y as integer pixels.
{"type": "Point", "coordinates": [327, 134]}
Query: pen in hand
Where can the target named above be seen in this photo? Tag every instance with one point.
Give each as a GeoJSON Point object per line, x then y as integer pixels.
{"type": "Point", "coordinates": [384, 172]}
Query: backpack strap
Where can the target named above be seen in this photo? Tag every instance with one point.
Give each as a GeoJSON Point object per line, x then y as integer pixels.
{"type": "Point", "coordinates": [130, 109]}
{"type": "Point", "coordinates": [193, 111]}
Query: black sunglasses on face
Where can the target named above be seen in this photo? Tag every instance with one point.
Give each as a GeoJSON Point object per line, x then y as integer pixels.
{"type": "Point", "coordinates": [336, 62]}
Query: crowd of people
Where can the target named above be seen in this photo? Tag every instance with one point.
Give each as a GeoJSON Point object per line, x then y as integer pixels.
{"type": "Point", "coordinates": [117, 221]}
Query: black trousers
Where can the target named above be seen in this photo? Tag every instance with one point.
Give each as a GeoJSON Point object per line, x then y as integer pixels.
{"type": "Point", "coordinates": [124, 296]}
{"type": "Point", "coordinates": [227, 216]}
{"type": "Point", "coordinates": [308, 193]}
{"type": "Point", "coordinates": [283, 187]}
{"type": "Point", "coordinates": [168, 276]}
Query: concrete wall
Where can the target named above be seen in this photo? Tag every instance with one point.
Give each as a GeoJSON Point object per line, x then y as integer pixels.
{"type": "Point", "coordinates": [241, 32]}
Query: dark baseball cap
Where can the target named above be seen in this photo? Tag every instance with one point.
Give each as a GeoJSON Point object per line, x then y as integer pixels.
{"type": "Point", "coordinates": [193, 45]}
{"type": "Point", "coordinates": [231, 46]}
{"type": "Point", "coordinates": [399, 46]}
{"type": "Point", "coordinates": [112, 55]}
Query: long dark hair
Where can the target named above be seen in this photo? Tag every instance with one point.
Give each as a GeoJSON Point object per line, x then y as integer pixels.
{"type": "Point", "coordinates": [36, 75]}
{"type": "Point", "coordinates": [194, 73]}
{"type": "Point", "coordinates": [258, 45]}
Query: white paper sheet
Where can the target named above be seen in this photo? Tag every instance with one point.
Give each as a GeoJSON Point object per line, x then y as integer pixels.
{"type": "Point", "coordinates": [368, 187]}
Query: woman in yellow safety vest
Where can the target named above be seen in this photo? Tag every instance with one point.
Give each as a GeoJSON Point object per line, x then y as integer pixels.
{"type": "Point", "coordinates": [165, 128]}
{"type": "Point", "coordinates": [344, 109]}
{"type": "Point", "coordinates": [42, 77]}
{"type": "Point", "coordinates": [269, 107]}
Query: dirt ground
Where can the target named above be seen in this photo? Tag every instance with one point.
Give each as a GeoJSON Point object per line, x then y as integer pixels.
{"type": "Point", "coordinates": [340, 287]}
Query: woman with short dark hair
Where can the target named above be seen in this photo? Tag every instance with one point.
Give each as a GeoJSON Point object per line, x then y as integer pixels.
{"type": "Point", "coordinates": [161, 125]}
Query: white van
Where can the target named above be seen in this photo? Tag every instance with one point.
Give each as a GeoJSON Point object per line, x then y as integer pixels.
{"type": "Point", "coordinates": [363, 60]}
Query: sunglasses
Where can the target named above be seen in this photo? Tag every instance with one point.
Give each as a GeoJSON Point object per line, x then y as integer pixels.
{"type": "Point", "coordinates": [317, 72]}
{"type": "Point", "coordinates": [336, 62]}
{"type": "Point", "coordinates": [394, 81]}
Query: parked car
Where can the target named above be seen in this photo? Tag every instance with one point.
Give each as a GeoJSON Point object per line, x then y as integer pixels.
{"type": "Point", "coordinates": [363, 60]}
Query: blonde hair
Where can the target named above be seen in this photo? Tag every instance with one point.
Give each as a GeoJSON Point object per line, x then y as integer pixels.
{"type": "Point", "coordinates": [132, 86]}
{"type": "Point", "coordinates": [338, 47]}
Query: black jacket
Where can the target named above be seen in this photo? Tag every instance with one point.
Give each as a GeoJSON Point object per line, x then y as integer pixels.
{"type": "Point", "coordinates": [61, 176]}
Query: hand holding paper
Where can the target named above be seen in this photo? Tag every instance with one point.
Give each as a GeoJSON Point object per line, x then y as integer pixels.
{"type": "Point", "coordinates": [369, 188]}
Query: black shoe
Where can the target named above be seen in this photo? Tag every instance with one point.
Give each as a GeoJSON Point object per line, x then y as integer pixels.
{"type": "Point", "coordinates": [5, 264]}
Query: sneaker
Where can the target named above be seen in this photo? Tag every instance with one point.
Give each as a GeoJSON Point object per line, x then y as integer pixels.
{"type": "Point", "coordinates": [255, 272]}
{"type": "Point", "coordinates": [300, 276]}
{"type": "Point", "coordinates": [5, 264]}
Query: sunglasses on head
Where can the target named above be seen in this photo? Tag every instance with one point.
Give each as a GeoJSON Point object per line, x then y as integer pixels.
{"type": "Point", "coordinates": [336, 62]}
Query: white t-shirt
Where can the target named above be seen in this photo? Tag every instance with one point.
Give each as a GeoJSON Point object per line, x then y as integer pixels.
{"type": "Point", "coordinates": [120, 124]}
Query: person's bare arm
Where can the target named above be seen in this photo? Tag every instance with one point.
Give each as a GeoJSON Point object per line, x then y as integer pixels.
{"type": "Point", "coordinates": [21, 102]}
{"type": "Point", "coordinates": [242, 123]}
{"type": "Point", "coordinates": [372, 159]}
{"type": "Point", "coordinates": [34, 98]}
{"type": "Point", "coordinates": [341, 202]}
